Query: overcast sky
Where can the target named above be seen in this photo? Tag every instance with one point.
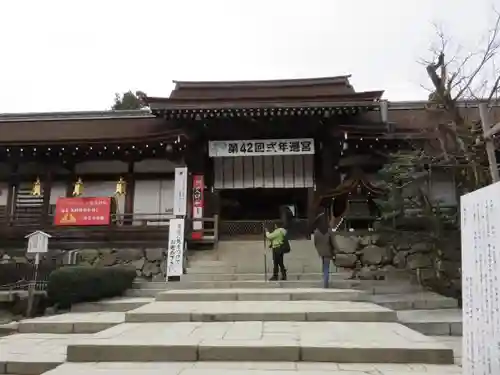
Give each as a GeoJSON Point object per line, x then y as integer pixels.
{"type": "Point", "coordinates": [61, 55]}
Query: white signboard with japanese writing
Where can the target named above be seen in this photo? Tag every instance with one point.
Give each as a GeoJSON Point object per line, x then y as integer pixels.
{"type": "Point", "coordinates": [180, 191]}
{"type": "Point", "coordinates": [480, 228]}
{"type": "Point", "coordinates": [38, 242]}
{"type": "Point", "coordinates": [175, 252]}
{"type": "Point", "coordinates": [261, 147]}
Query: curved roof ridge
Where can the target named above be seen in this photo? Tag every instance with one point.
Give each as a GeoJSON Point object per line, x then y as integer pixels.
{"type": "Point", "coordinates": [342, 79]}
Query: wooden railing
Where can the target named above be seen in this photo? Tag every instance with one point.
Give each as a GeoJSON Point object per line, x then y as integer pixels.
{"type": "Point", "coordinates": [124, 230]}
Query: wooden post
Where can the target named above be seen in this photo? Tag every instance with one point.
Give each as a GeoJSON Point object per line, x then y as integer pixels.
{"type": "Point", "coordinates": [12, 193]}
{"type": "Point", "coordinates": [129, 196]}
{"type": "Point", "coordinates": [490, 147]}
{"type": "Point", "coordinates": [47, 188]}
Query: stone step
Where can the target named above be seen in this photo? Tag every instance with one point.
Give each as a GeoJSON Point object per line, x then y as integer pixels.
{"type": "Point", "coordinates": [371, 286]}
{"type": "Point", "coordinates": [263, 285]}
{"type": "Point", "coordinates": [278, 294]}
{"type": "Point", "coordinates": [414, 301]}
{"type": "Point", "coordinates": [251, 267]}
{"type": "Point", "coordinates": [251, 368]}
{"type": "Point", "coordinates": [72, 323]}
{"type": "Point", "coordinates": [256, 276]}
{"type": "Point", "coordinates": [353, 342]}
{"type": "Point", "coordinates": [8, 328]}
{"type": "Point", "coordinates": [120, 304]}
{"type": "Point", "coordinates": [34, 353]}
{"type": "Point", "coordinates": [446, 322]}
{"type": "Point", "coordinates": [261, 311]}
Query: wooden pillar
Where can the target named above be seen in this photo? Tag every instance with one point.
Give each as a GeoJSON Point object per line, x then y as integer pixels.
{"type": "Point", "coordinates": [129, 196]}
{"type": "Point", "coordinates": [71, 181]}
{"type": "Point", "coordinates": [47, 188]}
{"type": "Point", "coordinates": [12, 192]}
{"type": "Point", "coordinates": [311, 208]}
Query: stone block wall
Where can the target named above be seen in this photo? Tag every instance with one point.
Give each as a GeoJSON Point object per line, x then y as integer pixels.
{"type": "Point", "coordinates": [373, 256]}
{"type": "Point", "coordinates": [147, 262]}
{"type": "Point", "coordinates": [369, 256]}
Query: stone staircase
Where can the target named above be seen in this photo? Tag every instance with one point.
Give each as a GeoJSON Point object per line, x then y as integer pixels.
{"type": "Point", "coordinates": [218, 323]}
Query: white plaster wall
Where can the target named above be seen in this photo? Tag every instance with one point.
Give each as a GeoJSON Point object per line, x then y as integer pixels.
{"type": "Point", "coordinates": [155, 165]}
{"type": "Point", "coordinates": [153, 197]}
{"type": "Point", "coordinates": [4, 192]}
{"type": "Point", "coordinates": [58, 190]}
{"type": "Point", "coordinates": [105, 166]}
{"type": "Point", "coordinates": [103, 189]}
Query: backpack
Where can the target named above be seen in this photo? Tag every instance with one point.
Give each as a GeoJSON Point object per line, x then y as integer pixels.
{"type": "Point", "coordinates": [285, 247]}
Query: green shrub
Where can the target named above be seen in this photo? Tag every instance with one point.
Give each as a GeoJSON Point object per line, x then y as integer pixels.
{"type": "Point", "coordinates": [73, 284]}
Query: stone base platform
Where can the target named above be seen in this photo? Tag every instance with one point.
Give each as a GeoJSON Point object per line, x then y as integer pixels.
{"type": "Point", "coordinates": [72, 323]}
{"type": "Point", "coordinates": [247, 294]}
{"type": "Point", "coordinates": [261, 341]}
{"type": "Point", "coordinates": [119, 304]}
{"type": "Point", "coordinates": [251, 368]}
{"type": "Point", "coordinates": [445, 322]}
{"type": "Point", "coordinates": [263, 311]}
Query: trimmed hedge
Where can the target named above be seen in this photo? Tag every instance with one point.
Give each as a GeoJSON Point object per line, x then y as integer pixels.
{"type": "Point", "coordinates": [73, 284]}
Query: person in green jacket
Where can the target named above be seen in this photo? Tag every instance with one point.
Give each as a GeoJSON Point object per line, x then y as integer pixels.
{"type": "Point", "coordinates": [277, 239]}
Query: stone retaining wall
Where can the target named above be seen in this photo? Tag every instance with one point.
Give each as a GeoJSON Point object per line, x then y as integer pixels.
{"type": "Point", "coordinates": [370, 256]}
{"type": "Point", "coordinates": [375, 255]}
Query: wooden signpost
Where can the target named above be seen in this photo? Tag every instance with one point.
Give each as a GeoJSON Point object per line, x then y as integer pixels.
{"type": "Point", "coordinates": [38, 243]}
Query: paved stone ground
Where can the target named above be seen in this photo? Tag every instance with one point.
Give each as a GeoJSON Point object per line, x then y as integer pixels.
{"type": "Point", "coordinates": [249, 368]}
{"type": "Point", "coordinates": [112, 305]}
{"type": "Point", "coordinates": [342, 311]}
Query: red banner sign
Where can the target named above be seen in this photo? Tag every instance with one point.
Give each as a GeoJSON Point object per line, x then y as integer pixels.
{"type": "Point", "coordinates": [83, 211]}
{"type": "Point", "coordinates": [198, 203]}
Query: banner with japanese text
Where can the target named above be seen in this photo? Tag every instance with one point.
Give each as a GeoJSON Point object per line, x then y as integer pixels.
{"type": "Point", "coordinates": [175, 252]}
{"type": "Point", "coordinates": [198, 203]}
{"type": "Point", "coordinates": [180, 191]}
{"type": "Point", "coordinates": [86, 211]}
{"type": "Point", "coordinates": [261, 147]}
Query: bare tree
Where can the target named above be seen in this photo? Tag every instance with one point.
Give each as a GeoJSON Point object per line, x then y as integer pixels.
{"type": "Point", "coordinates": [451, 141]}
{"type": "Point", "coordinates": [455, 78]}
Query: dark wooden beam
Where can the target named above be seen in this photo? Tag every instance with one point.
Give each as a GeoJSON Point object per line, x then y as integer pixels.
{"type": "Point", "coordinates": [71, 179]}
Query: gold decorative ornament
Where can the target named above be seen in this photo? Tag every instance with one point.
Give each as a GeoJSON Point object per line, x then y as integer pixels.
{"type": "Point", "coordinates": [121, 187]}
{"type": "Point", "coordinates": [36, 190]}
{"type": "Point", "coordinates": [78, 189]}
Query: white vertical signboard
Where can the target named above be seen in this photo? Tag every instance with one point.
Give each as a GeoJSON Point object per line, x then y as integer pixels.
{"type": "Point", "coordinates": [180, 191]}
{"type": "Point", "coordinates": [175, 253]}
{"type": "Point", "coordinates": [480, 228]}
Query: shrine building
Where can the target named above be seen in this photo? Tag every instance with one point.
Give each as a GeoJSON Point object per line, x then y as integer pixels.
{"type": "Point", "coordinates": [251, 149]}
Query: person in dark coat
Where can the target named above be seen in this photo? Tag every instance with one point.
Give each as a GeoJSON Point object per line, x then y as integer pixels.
{"type": "Point", "coordinates": [324, 243]}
